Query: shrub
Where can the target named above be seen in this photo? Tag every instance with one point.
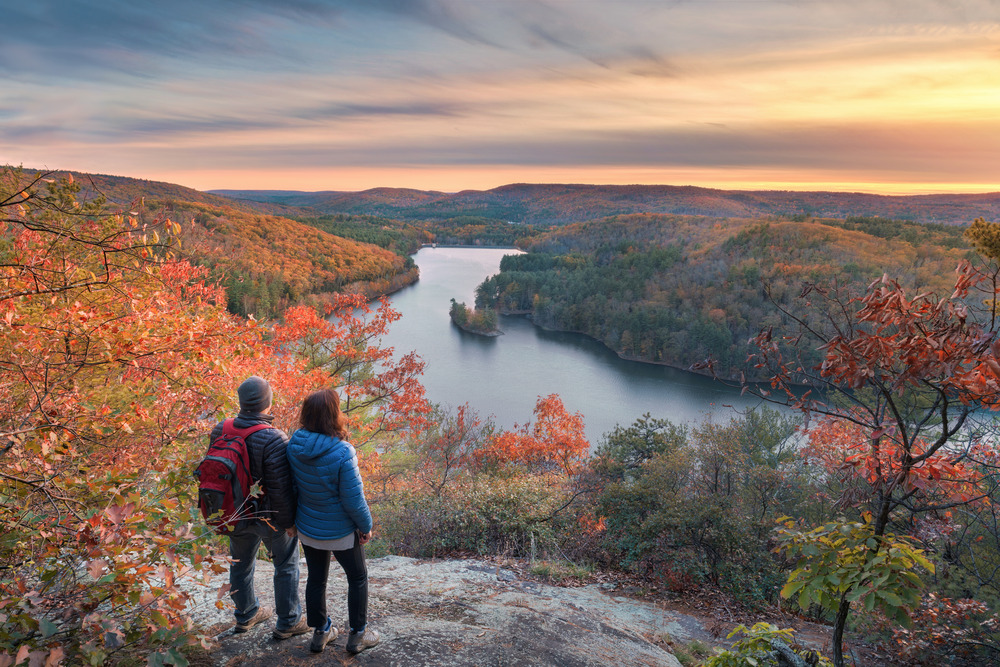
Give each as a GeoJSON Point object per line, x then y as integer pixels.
{"type": "Point", "coordinates": [764, 645]}
{"type": "Point", "coordinates": [686, 506]}
{"type": "Point", "coordinates": [487, 514]}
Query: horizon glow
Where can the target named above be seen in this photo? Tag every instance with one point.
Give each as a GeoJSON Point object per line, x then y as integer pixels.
{"type": "Point", "coordinates": [877, 97]}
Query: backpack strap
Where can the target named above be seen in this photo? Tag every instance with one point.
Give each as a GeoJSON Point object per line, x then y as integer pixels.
{"type": "Point", "coordinates": [229, 429]}
{"type": "Point", "coordinates": [256, 462]}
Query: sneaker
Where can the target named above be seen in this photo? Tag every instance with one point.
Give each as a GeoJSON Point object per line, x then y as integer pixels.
{"type": "Point", "coordinates": [323, 637]}
{"type": "Point", "coordinates": [299, 628]}
{"type": "Point", "coordinates": [359, 641]}
{"type": "Point", "coordinates": [263, 613]}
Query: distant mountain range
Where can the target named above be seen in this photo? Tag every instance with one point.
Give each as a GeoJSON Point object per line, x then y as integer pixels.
{"type": "Point", "coordinates": [563, 204]}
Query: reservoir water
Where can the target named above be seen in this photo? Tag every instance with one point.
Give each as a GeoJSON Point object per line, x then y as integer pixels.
{"type": "Point", "coordinates": [504, 376]}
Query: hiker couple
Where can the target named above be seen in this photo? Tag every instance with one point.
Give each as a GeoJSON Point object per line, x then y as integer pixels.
{"type": "Point", "coordinates": [313, 495]}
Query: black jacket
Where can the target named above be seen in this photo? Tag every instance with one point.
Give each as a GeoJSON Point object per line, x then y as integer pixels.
{"type": "Point", "coordinates": [269, 466]}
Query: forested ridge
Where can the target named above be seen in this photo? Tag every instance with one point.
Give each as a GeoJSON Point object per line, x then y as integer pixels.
{"type": "Point", "coordinates": [265, 261]}
{"type": "Point", "coordinates": [125, 190]}
{"type": "Point", "coordinates": [559, 204]}
{"type": "Point", "coordinates": [679, 290]}
{"type": "Point", "coordinates": [405, 237]}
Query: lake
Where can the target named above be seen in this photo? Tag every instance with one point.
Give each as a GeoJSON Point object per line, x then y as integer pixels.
{"type": "Point", "coordinates": [503, 376]}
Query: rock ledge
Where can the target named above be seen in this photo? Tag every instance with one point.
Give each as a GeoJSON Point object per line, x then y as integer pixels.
{"type": "Point", "coordinates": [460, 613]}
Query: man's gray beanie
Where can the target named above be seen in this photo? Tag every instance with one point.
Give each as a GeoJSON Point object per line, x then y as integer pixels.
{"type": "Point", "coordinates": [255, 395]}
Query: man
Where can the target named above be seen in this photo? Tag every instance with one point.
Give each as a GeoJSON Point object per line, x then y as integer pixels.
{"type": "Point", "coordinates": [268, 466]}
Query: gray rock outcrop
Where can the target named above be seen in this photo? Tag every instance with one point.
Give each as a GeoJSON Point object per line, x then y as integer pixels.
{"type": "Point", "coordinates": [464, 613]}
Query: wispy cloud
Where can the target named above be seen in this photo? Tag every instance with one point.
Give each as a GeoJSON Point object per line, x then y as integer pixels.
{"type": "Point", "coordinates": [903, 87]}
{"type": "Point", "coordinates": [412, 108]}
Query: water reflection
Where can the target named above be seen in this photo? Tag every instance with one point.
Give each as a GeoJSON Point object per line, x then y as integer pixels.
{"type": "Point", "coordinates": [467, 338]}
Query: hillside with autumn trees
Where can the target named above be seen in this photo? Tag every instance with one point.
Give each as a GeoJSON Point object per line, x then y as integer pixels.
{"type": "Point", "coordinates": [125, 190]}
{"type": "Point", "coordinates": [869, 507]}
{"type": "Point", "coordinates": [265, 261]}
{"type": "Point", "coordinates": [681, 290]}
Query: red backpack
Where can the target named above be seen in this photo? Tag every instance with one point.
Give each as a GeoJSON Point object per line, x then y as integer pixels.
{"type": "Point", "coordinates": [224, 479]}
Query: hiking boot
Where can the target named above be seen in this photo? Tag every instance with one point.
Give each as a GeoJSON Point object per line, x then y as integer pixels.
{"type": "Point", "coordinates": [299, 628]}
{"type": "Point", "coordinates": [263, 613]}
{"type": "Point", "coordinates": [359, 641]}
{"type": "Point", "coordinates": [323, 637]}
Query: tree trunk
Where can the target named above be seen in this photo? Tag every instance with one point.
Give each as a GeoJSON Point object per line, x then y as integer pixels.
{"type": "Point", "coordinates": [838, 631]}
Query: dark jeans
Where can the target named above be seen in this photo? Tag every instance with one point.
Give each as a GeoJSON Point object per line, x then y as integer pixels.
{"type": "Point", "coordinates": [284, 550]}
{"type": "Point", "coordinates": [353, 562]}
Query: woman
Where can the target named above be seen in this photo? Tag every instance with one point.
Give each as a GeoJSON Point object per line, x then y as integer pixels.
{"type": "Point", "coordinates": [332, 517]}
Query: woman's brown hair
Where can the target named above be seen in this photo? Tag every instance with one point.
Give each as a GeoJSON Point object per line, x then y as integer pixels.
{"type": "Point", "coordinates": [321, 414]}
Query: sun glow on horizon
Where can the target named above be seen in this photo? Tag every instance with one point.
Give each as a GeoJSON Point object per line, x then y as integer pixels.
{"type": "Point", "coordinates": [446, 179]}
{"type": "Point", "coordinates": [888, 100]}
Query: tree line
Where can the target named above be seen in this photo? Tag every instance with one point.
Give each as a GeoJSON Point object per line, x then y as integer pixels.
{"type": "Point", "coordinates": [477, 321]}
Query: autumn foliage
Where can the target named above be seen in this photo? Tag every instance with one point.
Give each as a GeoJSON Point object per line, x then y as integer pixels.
{"type": "Point", "coordinates": [846, 452]}
{"type": "Point", "coordinates": [452, 447]}
{"type": "Point", "coordinates": [554, 441]}
{"type": "Point", "coordinates": [906, 379]}
{"type": "Point", "coordinates": [117, 358]}
{"type": "Point", "coordinates": [339, 347]}
{"type": "Point", "coordinates": [464, 486]}
{"type": "Point", "coordinates": [110, 361]}
{"type": "Point", "coordinates": [268, 262]}
{"type": "Point", "coordinates": [945, 628]}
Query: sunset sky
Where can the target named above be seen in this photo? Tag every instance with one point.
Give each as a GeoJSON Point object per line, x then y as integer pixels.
{"type": "Point", "coordinates": [877, 96]}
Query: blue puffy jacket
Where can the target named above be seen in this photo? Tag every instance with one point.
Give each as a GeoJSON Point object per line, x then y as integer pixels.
{"type": "Point", "coordinates": [331, 495]}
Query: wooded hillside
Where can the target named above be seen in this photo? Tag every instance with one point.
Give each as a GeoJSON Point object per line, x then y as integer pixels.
{"type": "Point", "coordinates": [680, 289]}
{"type": "Point", "coordinates": [268, 262]}
{"type": "Point", "coordinates": [265, 262]}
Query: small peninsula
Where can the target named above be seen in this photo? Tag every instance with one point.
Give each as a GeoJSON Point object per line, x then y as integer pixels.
{"type": "Point", "coordinates": [480, 322]}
